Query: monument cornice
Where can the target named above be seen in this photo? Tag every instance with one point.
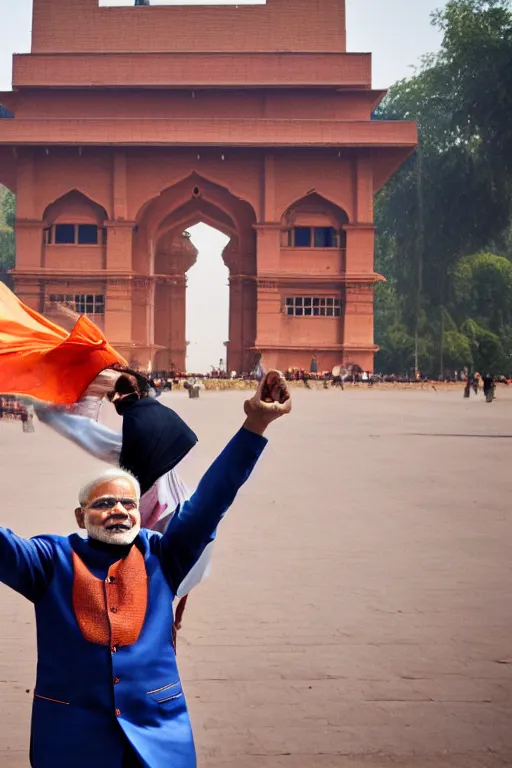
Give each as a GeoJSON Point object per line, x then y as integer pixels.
{"type": "Point", "coordinates": [102, 274]}
{"type": "Point", "coordinates": [259, 346]}
{"type": "Point", "coordinates": [178, 70]}
{"type": "Point", "coordinates": [344, 278]}
{"type": "Point", "coordinates": [201, 132]}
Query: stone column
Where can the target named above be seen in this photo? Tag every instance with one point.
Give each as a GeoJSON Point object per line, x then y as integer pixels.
{"type": "Point", "coordinates": [360, 249]}
{"type": "Point", "coordinates": [358, 325]}
{"type": "Point", "coordinates": [268, 322]}
{"type": "Point", "coordinates": [358, 300]}
{"type": "Point", "coordinates": [119, 186]}
{"type": "Point", "coordinates": [118, 298]}
{"type": "Point", "coordinates": [118, 315]}
{"type": "Point", "coordinates": [364, 189]}
{"type": "Point", "coordinates": [28, 282]}
{"type": "Point", "coordinates": [250, 300]}
{"type": "Point", "coordinates": [29, 243]}
{"type": "Point", "coordinates": [178, 312]}
{"type": "Point", "coordinates": [29, 234]}
{"type": "Point", "coordinates": [236, 323]}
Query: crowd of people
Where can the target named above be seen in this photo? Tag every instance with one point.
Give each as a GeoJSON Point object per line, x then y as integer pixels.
{"type": "Point", "coordinates": [12, 408]}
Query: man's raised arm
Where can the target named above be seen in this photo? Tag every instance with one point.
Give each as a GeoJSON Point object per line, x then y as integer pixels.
{"type": "Point", "coordinates": [26, 565]}
{"type": "Point", "coordinates": [195, 523]}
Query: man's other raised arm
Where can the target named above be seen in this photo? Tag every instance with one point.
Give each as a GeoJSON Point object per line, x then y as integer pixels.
{"type": "Point", "coordinates": [96, 439]}
{"type": "Point", "coordinates": [26, 565]}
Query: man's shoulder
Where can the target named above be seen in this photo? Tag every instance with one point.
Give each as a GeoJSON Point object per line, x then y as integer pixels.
{"type": "Point", "coordinates": [150, 542]}
{"type": "Point", "coordinates": [54, 540]}
{"type": "Point", "coordinates": [148, 537]}
{"type": "Point", "coordinates": [51, 538]}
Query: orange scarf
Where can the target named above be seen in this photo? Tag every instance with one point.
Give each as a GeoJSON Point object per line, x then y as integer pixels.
{"type": "Point", "coordinates": [42, 360]}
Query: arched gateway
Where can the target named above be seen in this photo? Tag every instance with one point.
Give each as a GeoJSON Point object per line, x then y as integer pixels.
{"type": "Point", "coordinates": [253, 119]}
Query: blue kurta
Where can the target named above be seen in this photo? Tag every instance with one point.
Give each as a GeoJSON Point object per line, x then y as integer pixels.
{"type": "Point", "coordinates": [91, 698]}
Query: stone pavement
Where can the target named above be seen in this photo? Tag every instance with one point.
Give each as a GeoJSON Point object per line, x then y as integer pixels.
{"type": "Point", "coordinates": [361, 594]}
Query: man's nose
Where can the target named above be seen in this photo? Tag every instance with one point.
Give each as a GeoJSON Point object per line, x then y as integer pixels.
{"type": "Point", "coordinates": [119, 509]}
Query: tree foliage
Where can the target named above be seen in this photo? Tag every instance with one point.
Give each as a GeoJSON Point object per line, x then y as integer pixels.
{"type": "Point", "coordinates": [451, 202]}
{"type": "Point", "coordinates": [7, 241]}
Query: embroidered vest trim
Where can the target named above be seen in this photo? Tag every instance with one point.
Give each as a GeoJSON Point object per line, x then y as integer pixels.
{"type": "Point", "coordinates": [111, 612]}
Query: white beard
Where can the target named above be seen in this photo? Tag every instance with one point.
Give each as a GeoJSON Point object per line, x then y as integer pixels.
{"type": "Point", "coordinates": [120, 538]}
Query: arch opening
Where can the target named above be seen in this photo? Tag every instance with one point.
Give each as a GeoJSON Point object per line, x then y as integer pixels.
{"type": "Point", "coordinates": [204, 305]}
{"type": "Point", "coordinates": [207, 302]}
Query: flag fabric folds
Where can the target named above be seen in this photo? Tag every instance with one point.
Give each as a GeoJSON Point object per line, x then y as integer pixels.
{"type": "Point", "coordinates": [42, 360]}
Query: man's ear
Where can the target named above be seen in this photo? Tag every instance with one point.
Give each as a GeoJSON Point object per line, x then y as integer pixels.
{"type": "Point", "coordinates": [80, 514]}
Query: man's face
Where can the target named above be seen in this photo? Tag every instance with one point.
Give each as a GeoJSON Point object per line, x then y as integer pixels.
{"type": "Point", "coordinates": [111, 513]}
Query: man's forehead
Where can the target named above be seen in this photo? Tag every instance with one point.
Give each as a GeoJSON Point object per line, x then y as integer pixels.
{"type": "Point", "coordinates": [113, 486]}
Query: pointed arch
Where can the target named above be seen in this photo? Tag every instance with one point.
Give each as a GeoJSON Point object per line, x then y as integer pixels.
{"type": "Point", "coordinates": [76, 207]}
{"type": "Point", "coordinates": [198, 188]}
{"type": "Point", "coordinates": [314, 208]}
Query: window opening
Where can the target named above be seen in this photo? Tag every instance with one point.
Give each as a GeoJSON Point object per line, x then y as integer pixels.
{"type": "Point", "coordinates": [325, 237]}
{"type": "Point", "coordinates": [312, 306]}
{"type": "Point", "coordinates": [87, 234]}
{"type": "Point", "coordinates": [302, 237]}
{"type": "Point", "coordinates": [84, 304]}
{"type": "Point", "coordinates": [64, 234]}
{"type": "Point", "coordinates": [75, 234]}
{"type": "Point", "coordinates": [315, 237]}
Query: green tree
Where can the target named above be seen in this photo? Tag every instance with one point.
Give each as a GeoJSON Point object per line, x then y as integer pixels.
{"type": "Point", "coordinates": [7, 238]}
{"type": "Point", "coordinates": [487, 348]}
{"type": "Point", "coordinates": [453, 197]}
{"type": "Point", "coordinates": [483, 289]}
{"type": "Point", "coordinates": [457, 350]}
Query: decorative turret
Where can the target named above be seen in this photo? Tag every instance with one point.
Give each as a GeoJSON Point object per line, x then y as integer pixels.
{"type": "Point", "coordinates": [175, 254]}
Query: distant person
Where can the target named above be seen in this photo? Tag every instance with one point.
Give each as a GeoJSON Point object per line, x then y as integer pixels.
{"type": "Point", "coordinates": [488, 387]}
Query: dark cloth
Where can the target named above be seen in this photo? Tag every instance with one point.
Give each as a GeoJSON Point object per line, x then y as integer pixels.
{"type": "Point", "coordinates": [114, 552]}
{"type": "Point", "coordinates": [130, 759]}
{"type": "Point", "coordinates": [155, 439]}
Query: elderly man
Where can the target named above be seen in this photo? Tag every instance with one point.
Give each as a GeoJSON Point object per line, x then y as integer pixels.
{"type": "Point", "coordinates": [108, 692]}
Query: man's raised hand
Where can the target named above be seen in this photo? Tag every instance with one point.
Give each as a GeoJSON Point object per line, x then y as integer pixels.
{"type": "Point", "coordinates": [271, 401]}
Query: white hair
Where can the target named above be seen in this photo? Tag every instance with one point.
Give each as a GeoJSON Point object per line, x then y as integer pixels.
{"type": "Point", "coordinates": [112, 473]}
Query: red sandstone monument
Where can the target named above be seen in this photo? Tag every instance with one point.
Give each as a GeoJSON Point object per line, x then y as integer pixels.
{"type": "Point", "coordinates": [132, 124]}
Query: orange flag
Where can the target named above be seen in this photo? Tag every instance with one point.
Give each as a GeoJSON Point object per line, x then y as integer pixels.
{"type": "Point", "coordinates": [42, 360]}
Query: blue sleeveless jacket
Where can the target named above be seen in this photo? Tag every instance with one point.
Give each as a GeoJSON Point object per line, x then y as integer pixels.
{"type": "Point", "coordinates": [91, 698]}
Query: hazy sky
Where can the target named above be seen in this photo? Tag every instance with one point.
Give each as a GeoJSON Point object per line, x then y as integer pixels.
{"type": "Point", "coordinates": [397, 32]}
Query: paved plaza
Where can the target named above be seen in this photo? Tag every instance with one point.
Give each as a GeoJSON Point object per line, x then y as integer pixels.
{"type": "Point", "coordinates": [360, 602]}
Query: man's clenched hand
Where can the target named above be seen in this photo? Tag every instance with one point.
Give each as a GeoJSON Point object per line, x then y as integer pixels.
{"type": "Point", "coordinates": [271, 401]}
